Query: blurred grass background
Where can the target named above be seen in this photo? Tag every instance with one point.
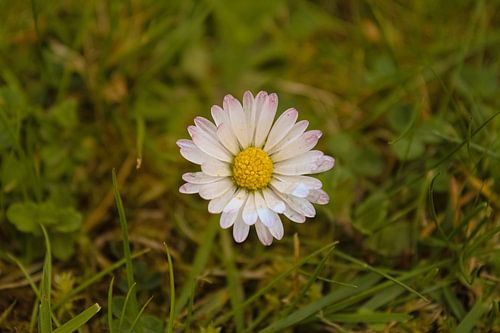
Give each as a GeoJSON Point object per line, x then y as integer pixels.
{"type": "Point", "coordinates": [405, 92]}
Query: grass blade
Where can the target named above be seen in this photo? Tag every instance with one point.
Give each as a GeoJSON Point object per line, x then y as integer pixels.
{"type": "Point", "coordinates": [79, 320]}
{"type": "Point", "coordinates": [45, 320]}
{"type": "Point", "coordinates": [233, 282]}
{"type": "Point", "coordinates": [125, 306]}
{"type": "Point", "coordinates": [6, 312]}
{"type": "Point", "coordinates": [25, 273]}
{"type": "Point", "coordinates": [170, 325]}
{"type": "Point", "coordinates": [472, 318]}
{"type": "Point", "coordinates": [131, 295]}
{"type": "Point", "coordinates": [95, 278]}
{"type": "Point", "coordinates": [198, 265]}
{"type": "Point", "coordinates": [110, 305]}
{"type": "Point", "coordinates": [277, 279]}
{"type": "Point", "coordinates": [369, 318]}
{"type": "Point", "coordinates": [310, 281]}
{"type": "Point", "coordinates": [136, 320]}
{"type": "Point", "coordinates": [299, 315]}
{"type": "Point", "coordinates": [378, 271]}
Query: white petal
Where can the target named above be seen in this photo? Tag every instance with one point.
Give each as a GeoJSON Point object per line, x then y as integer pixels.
{"type": "Point", "coordinates": [297, 189]}
{"type": "Point", "coordinates": [240, 230]}
{"type": "Point", "coordinates": [302, 144]}
{"type": "Point", "coordinates": [319, 197]}
{"type": "Point", "coordinates": [265, 120]}
{"type": "Point", "coordinates": [272, 201]}
{"type": "Point", "coordinates": [296, 131]}
{"type": "Point", "coordinates": [199, 178]}
{"type": "Point", "coordinates": [237, 201]}
{"type": "Point", "coordinates": [249, 213]}
{"type": "Point", "coordinates": [189, 188]}
{"type": "Point", "coordinates": [311, 162]}
{"type": "Point", "coordinates": [300, 205]}
{"type": "Point", "coordinates": [277, 228]}
{"type": "Point", "coordinates": [265, 214]}
{"type": "Point", "coordinates": [325, 164]}
{"type": "Point", "coordinates": [247, 102]}
{"type": "Point", "coordinates": [216, 168]}
{"type": "Point", "coordinates": [281, 128]}
{"type": "Point", "coordinates": [239, 120]}
{"type": "Point", "coordinates": [192, 153]}
{"type": "Point", "coordinates": [219, 115]}
{"type": "Point", "coordinates": [209, 144]}
{"type": "Point", "coordinates": [293, 215]}
{"type": "Point", "coordinates": [227, 138]}
{"type": "Point", "coordinates": [215, 206]}
{"type": "Point", "coordinates": [263, 233]}
{"type": "Point", "coordinates": [206, 125]}
{"type": "Point", "coordinates": [213, 190]}
{"type": "Point", "coordinates": [311, 182]}
{"type": "Point", "coordinates": [227, 219]}
{"type": "Point", "coordinates": [298, 186]}
{"type": "Point", "coordinates": [255, 113]}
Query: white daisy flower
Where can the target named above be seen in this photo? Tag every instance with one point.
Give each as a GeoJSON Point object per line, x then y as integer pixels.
{"type": "Point", "coordinates": [252, 170]}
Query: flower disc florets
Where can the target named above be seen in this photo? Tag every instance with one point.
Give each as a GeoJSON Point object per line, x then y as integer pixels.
{"type": "Point", "coordinates": [252, 168]}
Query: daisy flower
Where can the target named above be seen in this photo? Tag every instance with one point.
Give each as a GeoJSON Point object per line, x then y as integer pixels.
{"type": "Point", "coordinates": [253, 170]}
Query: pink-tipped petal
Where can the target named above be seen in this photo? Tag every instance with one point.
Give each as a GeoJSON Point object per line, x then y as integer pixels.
{"type": "Point", "coordinates": [302, 144]}
{"type": "Point", "coordinates": [240, 230]}
{"type": "Point", "coordinates": [265, 120]}
{"type": "Point", "coordinates": [219, 115]}
{"type": "Point", "coordinates": [249, 213]}
{"type": "Point", "coordinates": [273, 202]}
{"type": "Point", "coordinates": [277, 228]}
{"type": "Point", "coordinates": [281, 128]}
{"type": "Point", "coordinates": [237, 201]}
{"type": "Point", "coordinates": [297, 130]}
{"type": "Point", "coordinates": [199, 178]}
{"type": "Point", "coordinates": [216, 168]}
{"type": "Point", "coordinates": [215, 206]}
{"type": "Point", "coordinates": [319, 197]}
{"type": "Point", "coordinates": [266, 215]}
{"type": "Point", "coordinates": [189, 188]}
{"type": "Point", "coordinates": [209, 144]}
{"type": "Point", "coordinates": [216, 189]}
{"type": "Point", "coordinates": [227, 138]}
{"type": "Point", "coordinates": [238, 120]}
{"type": "Point", "coordinates": [263, 233]}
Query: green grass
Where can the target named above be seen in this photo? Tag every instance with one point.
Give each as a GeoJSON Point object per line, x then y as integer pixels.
{"type": "Point", "coordinates": [405, 93]}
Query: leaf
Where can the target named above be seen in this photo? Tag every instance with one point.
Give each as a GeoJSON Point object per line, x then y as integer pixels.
{"type": "Point", "coordinates": [151, 324]}
{"type": "Point", "coordinates": [391, 240]}
{"type": "Point", "coordinates": [363, 159]}
{"type": "Point", "coordinates": [65, 113]}
{"type": "Point", "coordinates": [13, 172]}
{"type": "Point", "coordinates": [400, 117]}
{"type": "Point", "coordinates": [408, 148]}
{"type": "Point", "coordinates": [371, 214]}
{"type": "Point", "coordinates": [367, 161]}
{"type": "Point", "coordinates": [24, 217]}
{"type": "Point", "coordinates": [27, 216]}
{"type": "Point", "coordinates": [63, 246]}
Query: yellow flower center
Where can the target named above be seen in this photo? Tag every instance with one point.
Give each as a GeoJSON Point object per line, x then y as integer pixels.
{"type": "Point", "coordinates": [252, 168]}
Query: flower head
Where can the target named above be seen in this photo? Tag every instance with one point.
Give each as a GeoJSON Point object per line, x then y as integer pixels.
{"type": "Point", "coordinates": [253, 170]}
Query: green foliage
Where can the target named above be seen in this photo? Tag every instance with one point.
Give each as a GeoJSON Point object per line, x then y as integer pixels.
{"type": "Point", "coordinates": [405, 93]}
{"type": "Point", "coordinates": [61, 222]}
